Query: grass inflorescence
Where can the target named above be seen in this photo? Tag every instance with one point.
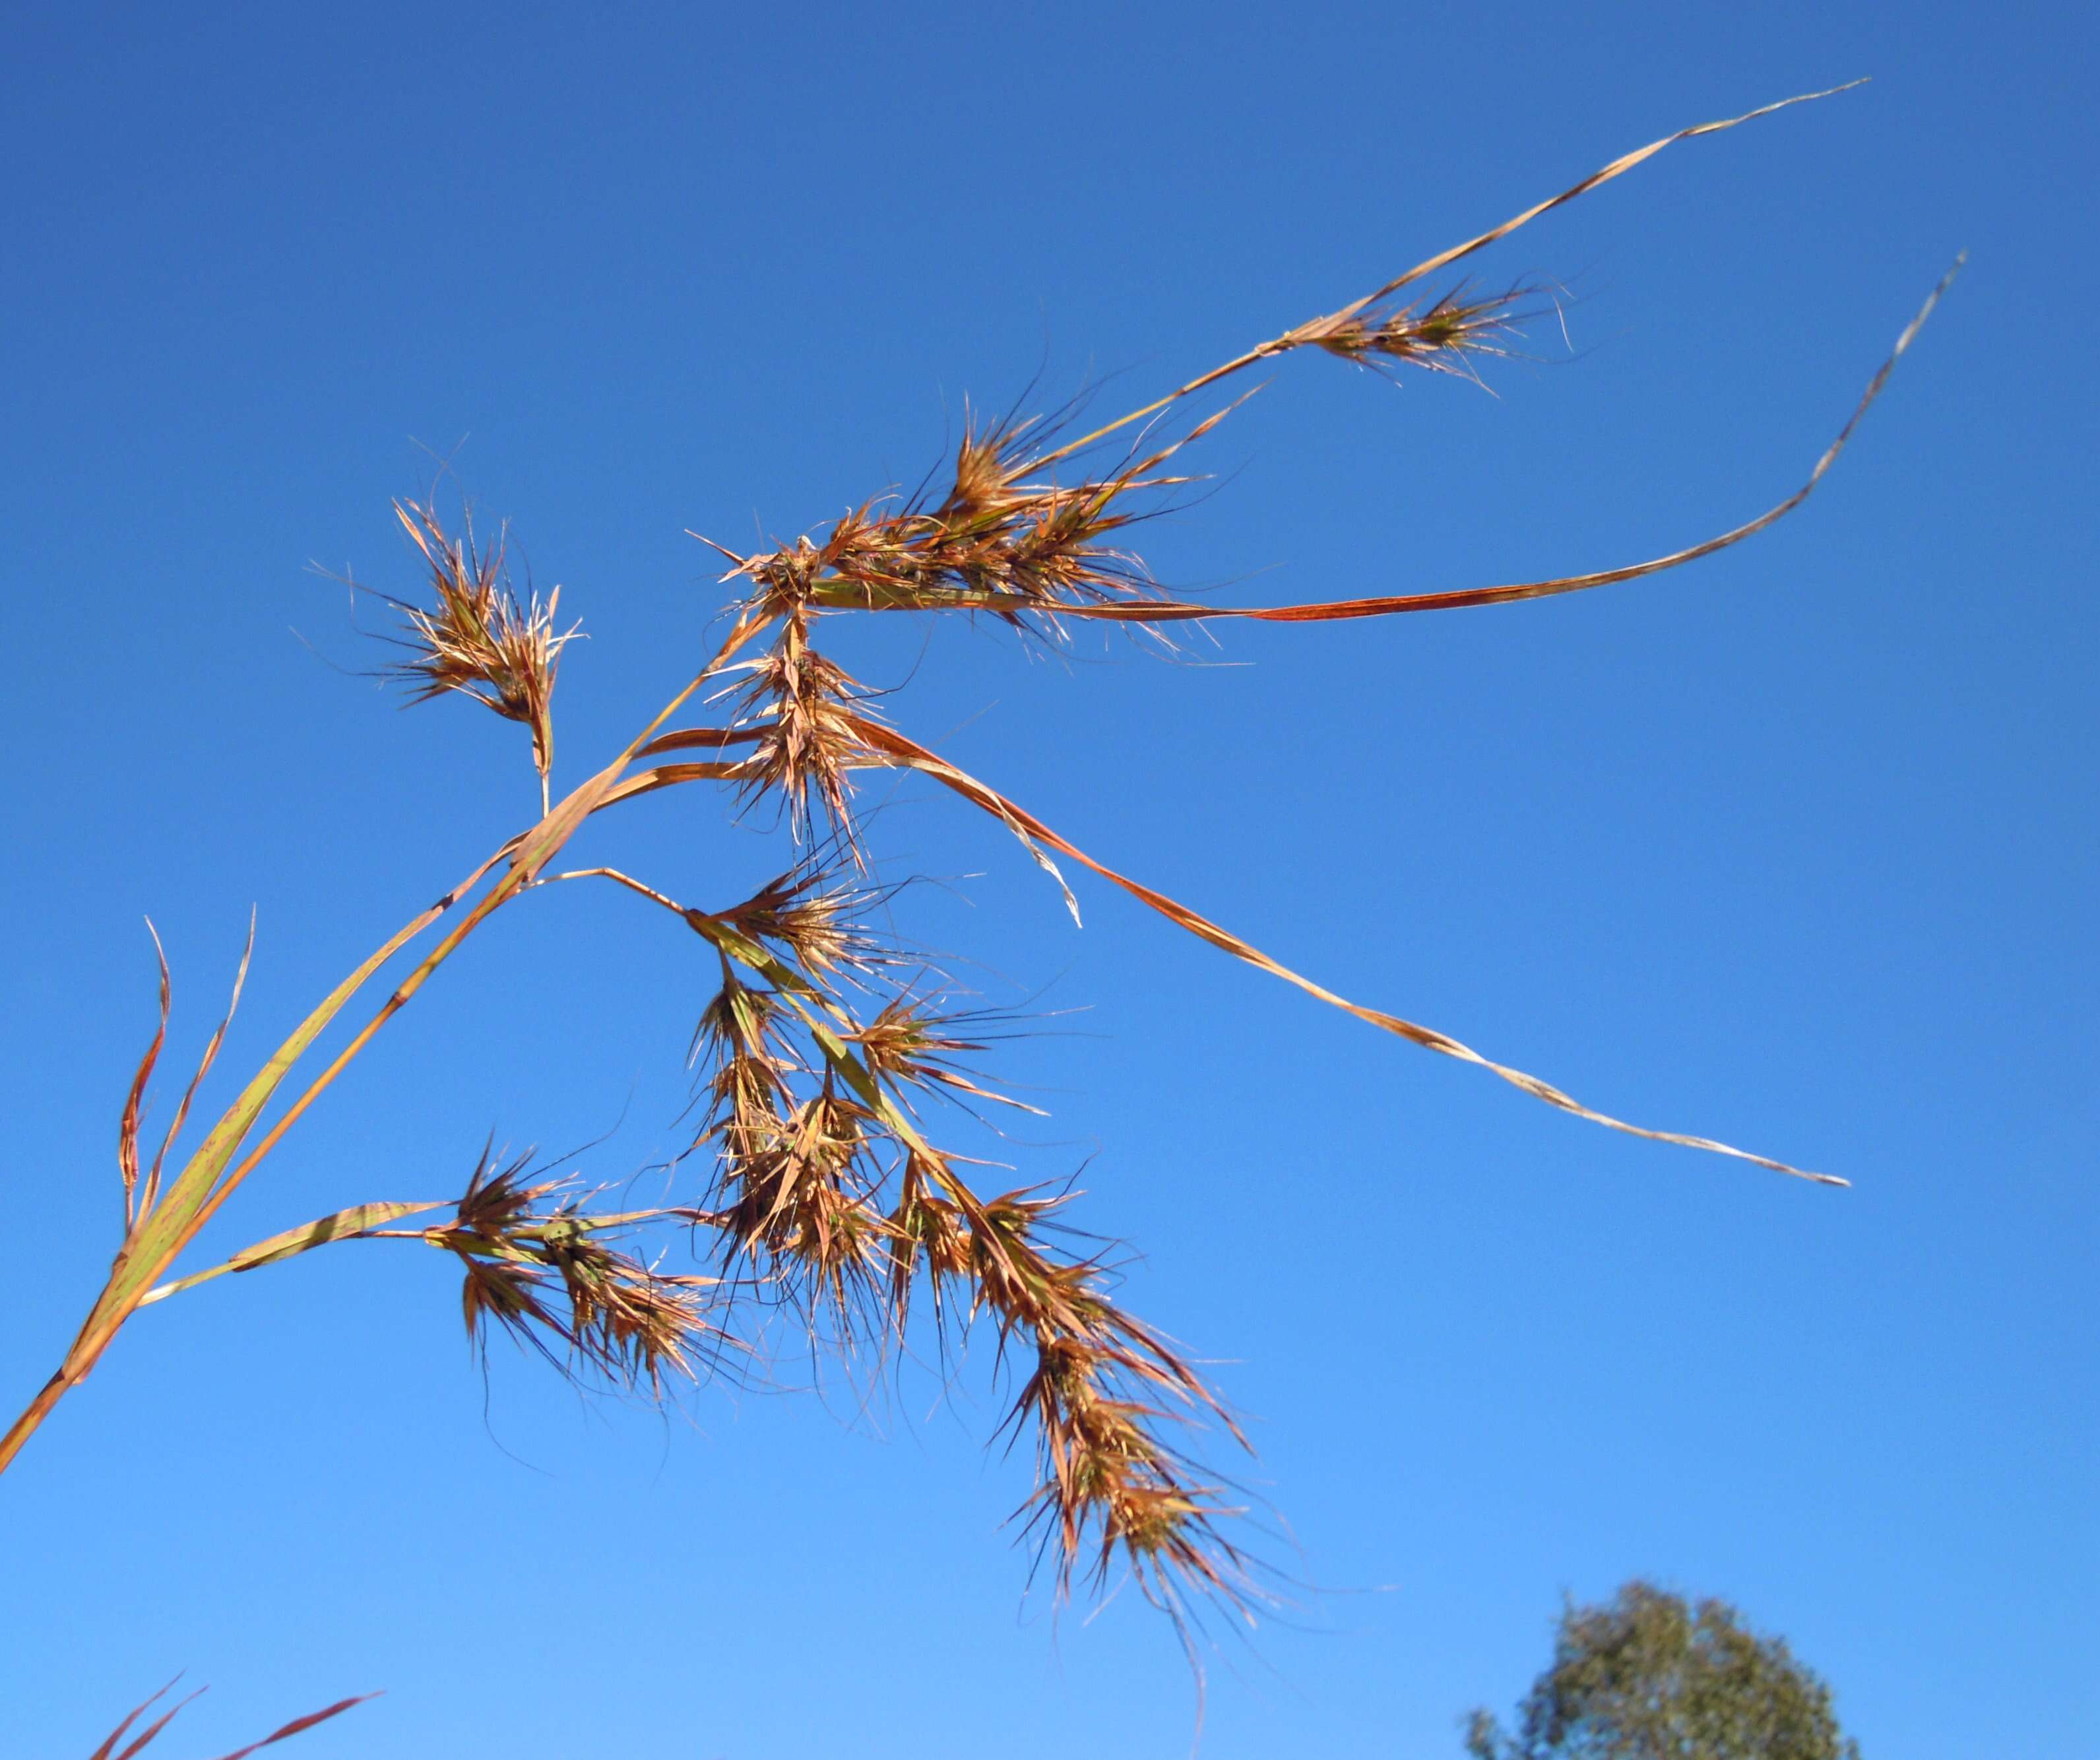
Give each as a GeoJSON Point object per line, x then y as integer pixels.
{"type": "Point", "coordinates": [820, 1181]}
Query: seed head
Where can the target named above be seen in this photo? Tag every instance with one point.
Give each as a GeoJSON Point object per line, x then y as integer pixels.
{"type": "Point", "coordinates": [476, 637]}
{"type": "Point", "coordinates": [1446, 336]}
{"type": "Point", "coordinates": [540, 1266]}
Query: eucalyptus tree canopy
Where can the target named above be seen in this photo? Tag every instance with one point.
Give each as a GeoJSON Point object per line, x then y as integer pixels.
{"type": "Point", "coordinates": [1651, 1677]}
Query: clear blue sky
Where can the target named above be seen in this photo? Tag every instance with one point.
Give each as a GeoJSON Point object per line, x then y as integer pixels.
{"type": "Point", "coordinates": [1796, 847]}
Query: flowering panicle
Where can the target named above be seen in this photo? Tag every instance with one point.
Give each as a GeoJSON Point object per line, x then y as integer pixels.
{"type": "Point", "coordinates": [818, 1056]}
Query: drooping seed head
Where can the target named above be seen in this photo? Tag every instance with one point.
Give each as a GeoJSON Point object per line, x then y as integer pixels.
{"type": "Point", "coordinates": [542, 1268]}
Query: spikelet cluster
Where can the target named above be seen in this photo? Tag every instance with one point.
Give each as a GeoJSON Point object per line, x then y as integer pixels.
{"type": "Point", "coordinates": [796, 1163]}
{"type": "Point", "coordinates": [798, 708]}
{"type": "Point", "coordinates": [1102, 1392]}
{"type": "Point", "coordinates": [476, 636]}
{"type": "Point", "coordinates": [826, 1197]}
{"type": "Point", "coordinates": [538, 1265]}
{"type": "Point", "coordinates": [1004, 538]}
{"type": "Point", "coordinates": [829, 1199]}
{"type": "Point", "coordinates": [1449, 335]}
{"type": "Point", "coordinates": [1007, 538]}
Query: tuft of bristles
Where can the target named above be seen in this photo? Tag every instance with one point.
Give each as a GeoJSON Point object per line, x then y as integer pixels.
{"type": "Point", "coordinates": [817, 919]}
{"type": "Point", "coordinates": [477, 636]}
{"type": "Point", "coordinates": [537, 1265]}
{"type": "Point", "coordinates": [914, 1043]}
{"type": "Point", "coordinates": [1004, 538]}
{"type": "Point", "coordinates": [799, 707]}
{"type": "Point", "coordinates": [831, 1200]}
{"type": "Point", "coordinates": [1102, 1388]}
{"type": "Point", "coordinates": [798, 1164]}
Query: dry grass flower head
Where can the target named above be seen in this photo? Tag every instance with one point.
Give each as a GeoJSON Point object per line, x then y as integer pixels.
{"type": "Point", "coordinates": [822, 1186]}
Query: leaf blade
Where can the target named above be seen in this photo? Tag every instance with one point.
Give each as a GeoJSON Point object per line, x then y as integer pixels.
{"type": "Point", "coordinates": [343, 1225]}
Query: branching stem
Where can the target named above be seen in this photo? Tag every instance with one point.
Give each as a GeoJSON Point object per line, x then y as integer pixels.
{"type": "Point", "coordinates": [629, 881]}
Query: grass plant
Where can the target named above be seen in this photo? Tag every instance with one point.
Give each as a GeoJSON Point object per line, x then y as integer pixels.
{"type": "Point", "coordinates": [817, 1184]}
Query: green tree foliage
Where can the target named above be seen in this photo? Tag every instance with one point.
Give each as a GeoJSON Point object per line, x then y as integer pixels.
{"type": "Point", "coordinates": [1652, 1676]}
